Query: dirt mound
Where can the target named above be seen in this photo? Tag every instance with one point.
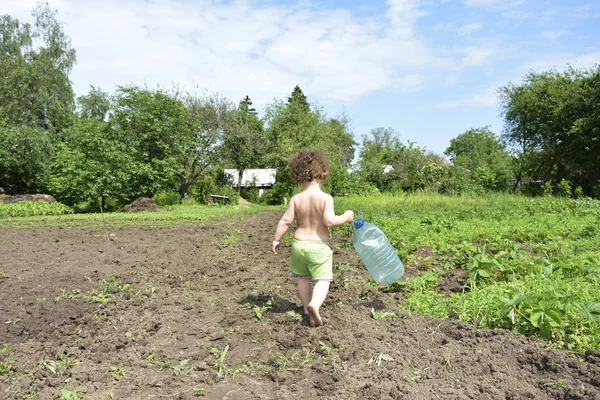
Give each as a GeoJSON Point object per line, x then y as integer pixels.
{"type": "Point", "coordinates": [6, 198]}
{"type": "Point", "coordinates": [196, 311]}
{"type": "Point", "coordinates": [143, 204]}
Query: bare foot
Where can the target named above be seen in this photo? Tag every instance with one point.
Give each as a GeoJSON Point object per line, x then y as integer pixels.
{"type": "Point", "coordinates": [305, 311]}
{"type": "Point", "coordinates": [315, 318]}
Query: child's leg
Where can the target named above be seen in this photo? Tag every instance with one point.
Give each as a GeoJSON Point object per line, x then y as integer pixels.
{"type": "Point", "coordinates": [304, 291]}
{"type": "Point", "coordinates": [319, 294]}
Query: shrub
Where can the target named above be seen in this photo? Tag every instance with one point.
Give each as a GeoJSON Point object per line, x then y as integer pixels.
{"type": "Point", "coordinates": [548, 188]}
{"type": "Point", "coordinates": [167, 198]}
{"type": "Point", "coordinates": [578, 193]}
{"type": "Point", "coordinates": [564, 188]}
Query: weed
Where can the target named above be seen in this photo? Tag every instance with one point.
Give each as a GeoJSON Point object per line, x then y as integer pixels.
{"type": "Point", "coordinates": [160, 360]}
{"type": "Point", "coordinates": [6, 348]}
{"type": "Point", "coordinates": [381, 314]}
{"type": "Point", "coordinates": [295, 316]}
{"type": "Point", "coordinates": [220, 365]}
{"type": "Point", "coordinates": [199, 392]}
{"type": "Point", "coordinates": [6, 367]}
{"type": "Point", "coordinates": [377, 359]}
{"type": "Point", "coordinates": [1, 274]}
{"type": "Point", "coordinates": [117, 371]}
{"type": "Point", "coordinates": [70, 394]}
{"type": "Point", "coordinates": [177, 369]}
{"type": "Point", "coordinates": [110, 287]}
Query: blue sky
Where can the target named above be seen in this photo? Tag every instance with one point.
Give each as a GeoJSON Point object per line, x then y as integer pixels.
{"type": "Point", "coordinates": [427, 68]}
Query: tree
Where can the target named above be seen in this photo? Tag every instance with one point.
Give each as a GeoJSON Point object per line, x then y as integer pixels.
{"type": "Point", "coordinates": [551, 120]}
{"type": "Point", "coordinates": [93, 163]}
{"type": "Point", "coordinates": [298, 99]}
{"type": "Point", "coordinates": [207, 116]}
{"type": "Point", "coordinates": [96, 104]}
{"type": "Point", "coordinates": [243, 142]}
{"type": "Point", "coordinates": [156, 125]}
{"type": "Point", "coordinates": [24, 158]}
{"type": "Point", "coordinates": [34, 85]}
{"type": "Point", "coordinates": [292, 126]}
{"type": "Point", "coordinates": [479, 151]}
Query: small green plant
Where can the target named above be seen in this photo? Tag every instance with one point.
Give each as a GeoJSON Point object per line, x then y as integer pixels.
{"type": "Point", "coordinates": [1, 274]}
{"type": "Point", "coordinates": [377, 359]}
{"type": "Point", "coordinates": [6, 367]}
{"type": "Point", "coordinates": [200, 392]}
{"type": "Point", "coordinates": [6, 348]}
{"type": "Point", "coordinates": [177, 369]}
{"type": "Point", "coordinates": [66, 394]}
{"type": "Point", "coordinates": [220, 365]}
{"type": "Point", "coordinates": [117, 371]}
{"type": "Point", "coordinates": [160, 360]}
{"type": "Point", "coordinates": [377, 315]}
{"type": "Point", "coordinates": [295, 316]}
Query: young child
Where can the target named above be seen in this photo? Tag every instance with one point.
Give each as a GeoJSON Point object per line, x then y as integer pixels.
{"type": "Point", "coordinates": [311, 257]}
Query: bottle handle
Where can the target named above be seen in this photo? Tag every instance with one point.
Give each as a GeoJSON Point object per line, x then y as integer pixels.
{"type": "Point", "coordinates": [357, 223]}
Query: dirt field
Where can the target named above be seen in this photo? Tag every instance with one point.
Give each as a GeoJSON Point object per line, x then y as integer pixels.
{"type": "Point", "coordinates": [179, 292]}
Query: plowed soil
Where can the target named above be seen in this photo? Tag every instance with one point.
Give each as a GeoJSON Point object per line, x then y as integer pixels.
{"type": "Point", "coordinates": [175, 293]}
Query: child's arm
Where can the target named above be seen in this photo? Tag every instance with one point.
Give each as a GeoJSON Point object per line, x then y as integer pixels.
{"type": "Point", "coordinates": [330, 219]}
{"type": "Point", "coordinates": [284, 223]}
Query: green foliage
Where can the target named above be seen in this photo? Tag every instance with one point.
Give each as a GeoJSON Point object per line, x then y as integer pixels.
{"type": "Point", "coordinates": [66, 394]}
{"type": "Point", "coordinates": [552, 121]}
{"type": "Point", "coordinates": [563, 188]}
{"type": "Point", "coordinates": [480, 152]}
{"type": "Point", "coordinates": [24, 158]}
{"type": "Point", "coordinates": [33, 209]}
{"type": "Point", "coordinates": [35, 62]}
{"type": "Point", "coordinates": [167, 198]}
{"type": "Point", "coordinates": [94, 165]}
{"type": "Point", "coordinates": [526, 264]}
{"type": "Point", "coordinates": [244, 141]}
{"type": "Point", "coordinates": [293, 126]}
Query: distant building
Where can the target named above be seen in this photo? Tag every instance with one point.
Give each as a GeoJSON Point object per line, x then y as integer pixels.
{"type": "Point", "coordinates": [262, 179]}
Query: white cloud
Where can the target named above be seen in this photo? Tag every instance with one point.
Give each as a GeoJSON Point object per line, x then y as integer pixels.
{"type": "Point", "coordinates": [241, 47]}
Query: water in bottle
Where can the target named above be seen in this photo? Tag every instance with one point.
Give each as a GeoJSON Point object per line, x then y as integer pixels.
{"type": "Point", "coordinates": [377, 253]}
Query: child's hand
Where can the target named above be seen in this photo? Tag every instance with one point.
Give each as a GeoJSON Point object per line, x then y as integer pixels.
{"type": "Point", "coordinates": [274, 246]}
{"type": "Point", "coordinates": [349, 214]}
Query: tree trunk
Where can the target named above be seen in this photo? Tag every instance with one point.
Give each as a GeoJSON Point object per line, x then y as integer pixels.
{"type": "Point", "coordinates": [239, 184]}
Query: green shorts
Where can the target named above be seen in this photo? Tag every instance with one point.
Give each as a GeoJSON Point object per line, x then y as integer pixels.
{"type": "Point", "coordinates": [312, 259]}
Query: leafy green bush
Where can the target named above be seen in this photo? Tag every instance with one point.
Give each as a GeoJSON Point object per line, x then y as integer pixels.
{"type": "Point", "coordinates": [548, 188]}
{"type": "Point", "coordinates": [34, 208]}
{"type": "Point", "coordinates": [564, 188]}
{"type": "Point", "coordinates": [167, 198]}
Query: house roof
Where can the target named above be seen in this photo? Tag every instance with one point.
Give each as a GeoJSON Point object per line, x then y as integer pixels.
{"type": "Point", "coordinates": [261, 177]}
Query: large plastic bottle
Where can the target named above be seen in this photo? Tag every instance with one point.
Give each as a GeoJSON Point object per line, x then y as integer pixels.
{"type": "Point", "coordinates": [377, 253]}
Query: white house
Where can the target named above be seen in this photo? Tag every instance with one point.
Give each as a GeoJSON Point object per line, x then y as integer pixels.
{"type": "Point", "coordinates": [263, 179]}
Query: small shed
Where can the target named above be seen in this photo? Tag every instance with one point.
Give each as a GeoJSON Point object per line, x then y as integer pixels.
{"type": "Point", "coordinates": [262, 179]}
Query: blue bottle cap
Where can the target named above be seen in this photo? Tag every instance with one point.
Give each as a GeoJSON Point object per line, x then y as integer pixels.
{"type": "Point", "coordinates": [358, 223]}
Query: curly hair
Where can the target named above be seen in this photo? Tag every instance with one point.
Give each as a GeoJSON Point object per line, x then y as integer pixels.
{"type": "Point", "coordinates": [307, 165]}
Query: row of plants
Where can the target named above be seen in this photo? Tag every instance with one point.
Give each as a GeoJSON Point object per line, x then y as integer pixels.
{"type": "Point", "coordinates": [531, 265]}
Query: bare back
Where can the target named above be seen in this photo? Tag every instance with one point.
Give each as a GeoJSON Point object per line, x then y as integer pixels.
{"type": "Point", "coordinates": [309, 206]}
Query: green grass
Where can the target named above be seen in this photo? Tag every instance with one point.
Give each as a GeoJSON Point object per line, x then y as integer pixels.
{"type": "Point", "coordinates": [531, 265]}
{"type": "Point", "coordinates": [175, 215]}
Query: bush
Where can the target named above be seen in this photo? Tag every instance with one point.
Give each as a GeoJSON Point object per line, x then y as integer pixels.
{"type": "Point", "coordinates": [578, 193]}
{"type": "Point", "coordinates": [564, 188]}
{"type": "Point", "coordinates": [34, 209]}
{"type": "Point", "coordinates": [547, 188]}
{"type": "Point", "coordinates": [167, 198]}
